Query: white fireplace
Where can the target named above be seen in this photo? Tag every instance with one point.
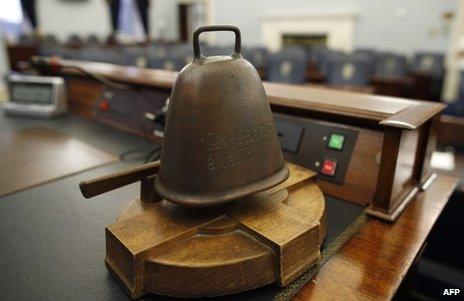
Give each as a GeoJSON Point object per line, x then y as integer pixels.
{"type": "Point", "coordinates": [336, 24]}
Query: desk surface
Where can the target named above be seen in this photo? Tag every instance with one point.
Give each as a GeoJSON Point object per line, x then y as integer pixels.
{"type": "Point", "coordinates": [373, 263]}
{"type": "Point", "coordinates": [54, 219]}
{"type": "Point", "coordinates": [37, 155]}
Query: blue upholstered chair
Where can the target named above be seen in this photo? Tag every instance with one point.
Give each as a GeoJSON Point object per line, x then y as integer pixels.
{"type": "Point", "coordinates": [101, 55]}
{"type": "Point", "coordinates": [184, 51]}
{"type": "Point", "coordinates": [429, 62]}
{"type": "Point", "coordinates": [136, 56]}
{"type": "Point", "coordinates": [25, 39]}
{"type": "Point", "coordinates": [390, 65]}
{"type": "Point", "coordinates": [208, 50]}
{"type": "Point", "coordinates": [348, 71]}
{"type": "Point", "coordinates": [366, 51]}
{"type": "Point", "coordinates": [53, 51]}
{"type": "Point", "coordinates": [433, 64]}
{"type": "Point", "coordinates": [171, 62]}
{"type": "Point", "coordinates": [93, 39]}
{"type": "Point", "coordinates": [287, 66]}
{"type": "Point", "coordinates": [257, 56]}
{"type": "Point", "coordinates": [74, 40]}
{"type": "Point", "coordinates": [50, 40]}
{"type": "Point", "coordinates": [325, 57]}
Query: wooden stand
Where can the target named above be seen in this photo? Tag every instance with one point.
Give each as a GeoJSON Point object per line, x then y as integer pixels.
{"type": "Point", "coordinates": [270, 237]}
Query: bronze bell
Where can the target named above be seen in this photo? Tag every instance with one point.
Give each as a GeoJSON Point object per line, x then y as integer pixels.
{"type": "Point", "coordinates": [220, 141]}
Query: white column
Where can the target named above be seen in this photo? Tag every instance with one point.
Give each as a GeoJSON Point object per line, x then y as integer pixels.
{"type": "Point", "coordinates": [4, 67]}
{"type": "Point", "coordinates": [453, 64]}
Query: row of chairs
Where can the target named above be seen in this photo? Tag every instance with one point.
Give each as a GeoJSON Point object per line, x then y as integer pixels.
{"type": "Point", "coordinates": [167, 57]}
{"type": "Point", "coordinates": [356, 69]}
{"type": "Point", "coordinates": [289, 65]}
{"type": "Point", "coordinates": [50, 40]}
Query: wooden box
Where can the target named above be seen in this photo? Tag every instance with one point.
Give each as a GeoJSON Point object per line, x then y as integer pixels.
{"type": "Point", "coordinates": [390, 162]}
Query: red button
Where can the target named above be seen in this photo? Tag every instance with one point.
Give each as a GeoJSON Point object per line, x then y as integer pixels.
{"type": "Point", "coordinates": [104, 105]}
{"type": "Point", "coordinates": [329, 167]}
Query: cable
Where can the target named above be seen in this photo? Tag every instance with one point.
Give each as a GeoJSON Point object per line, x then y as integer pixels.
{"type": "Point", "coordinates": [154, 155]}
{"type": "Point", "coordinates": [100, 78]}
{"type": "Point", "coordinates": [55, 64]}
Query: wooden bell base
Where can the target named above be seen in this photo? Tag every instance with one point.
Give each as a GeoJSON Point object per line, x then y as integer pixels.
{"type": "Point", "coordinates": [270, 237]}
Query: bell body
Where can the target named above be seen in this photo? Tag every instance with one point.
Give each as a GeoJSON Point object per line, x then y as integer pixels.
{"type": "Point", "coordinates": [220, 141]}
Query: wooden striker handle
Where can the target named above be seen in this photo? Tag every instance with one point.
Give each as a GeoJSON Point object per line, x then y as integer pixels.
{"type": "Point", "coordinates": [107, 183]}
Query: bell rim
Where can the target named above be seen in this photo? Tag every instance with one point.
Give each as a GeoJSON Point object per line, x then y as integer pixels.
{"type": "Point", "coordinates": [223, 197]}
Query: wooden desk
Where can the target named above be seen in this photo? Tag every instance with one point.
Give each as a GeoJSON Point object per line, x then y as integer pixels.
{"type": "Point", "coordinates": [402, 129]}
{"type": "Point", "coordinates": [373, 263]}
{"type": "Point", "coordinates": [33, 156]}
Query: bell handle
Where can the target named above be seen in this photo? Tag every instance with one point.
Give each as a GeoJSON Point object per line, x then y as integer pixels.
{"type": "Point", "coordinates": [196, 36]}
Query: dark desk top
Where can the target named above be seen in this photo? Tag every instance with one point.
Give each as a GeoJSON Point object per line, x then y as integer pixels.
{"type": "Point", "coordinates": [101, 136]}
{"type": "Point", "coordinates": [55, 219]}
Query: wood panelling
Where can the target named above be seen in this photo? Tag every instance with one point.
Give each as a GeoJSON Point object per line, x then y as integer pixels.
{"type": "Point", "coordinates": [404, 170]}
{"type": "Point", "coordinates": [397, 172]}
{"type": "Point", "coordinates": [386, 176]}
{"type": "Point", "coordinates": [83, 94]}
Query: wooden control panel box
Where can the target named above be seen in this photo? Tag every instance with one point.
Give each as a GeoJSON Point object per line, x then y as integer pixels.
{"type": "Point", "coordinates": [371, 150]}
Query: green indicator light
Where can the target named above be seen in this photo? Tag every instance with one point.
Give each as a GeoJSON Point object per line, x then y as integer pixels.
{"type": "Point", "coordinates": [336, 141]}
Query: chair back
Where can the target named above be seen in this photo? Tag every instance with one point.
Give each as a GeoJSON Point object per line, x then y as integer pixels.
{"type": "Point", "coordinates": [390, 65]}
{"type": "Point", "coordinates": [350, 71]}
{"type": "Point", "coordinates": [287, 66]}
{"type": "Point", "coordinates": [257, 56]}
{"type": "Point", "coordinates": [429, 62]}
{"type": "Point", "coordinates": [171, 62]}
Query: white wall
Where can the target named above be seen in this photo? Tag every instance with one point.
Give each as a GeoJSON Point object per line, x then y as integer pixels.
{"type": "Point", "coordinates": [163, 19]}
{"type": "Point", "coordinates": [64, 18]}
{"type": "Point", "coordinates": [399, 25]}
{"type": "Point", "coordinates": [454, 64]}
{"type": "Point", "coordinates": [421, 28]}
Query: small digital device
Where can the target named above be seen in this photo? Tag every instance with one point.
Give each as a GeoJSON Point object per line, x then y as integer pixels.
{"type": "Point", "coordinates": [36, 96]}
